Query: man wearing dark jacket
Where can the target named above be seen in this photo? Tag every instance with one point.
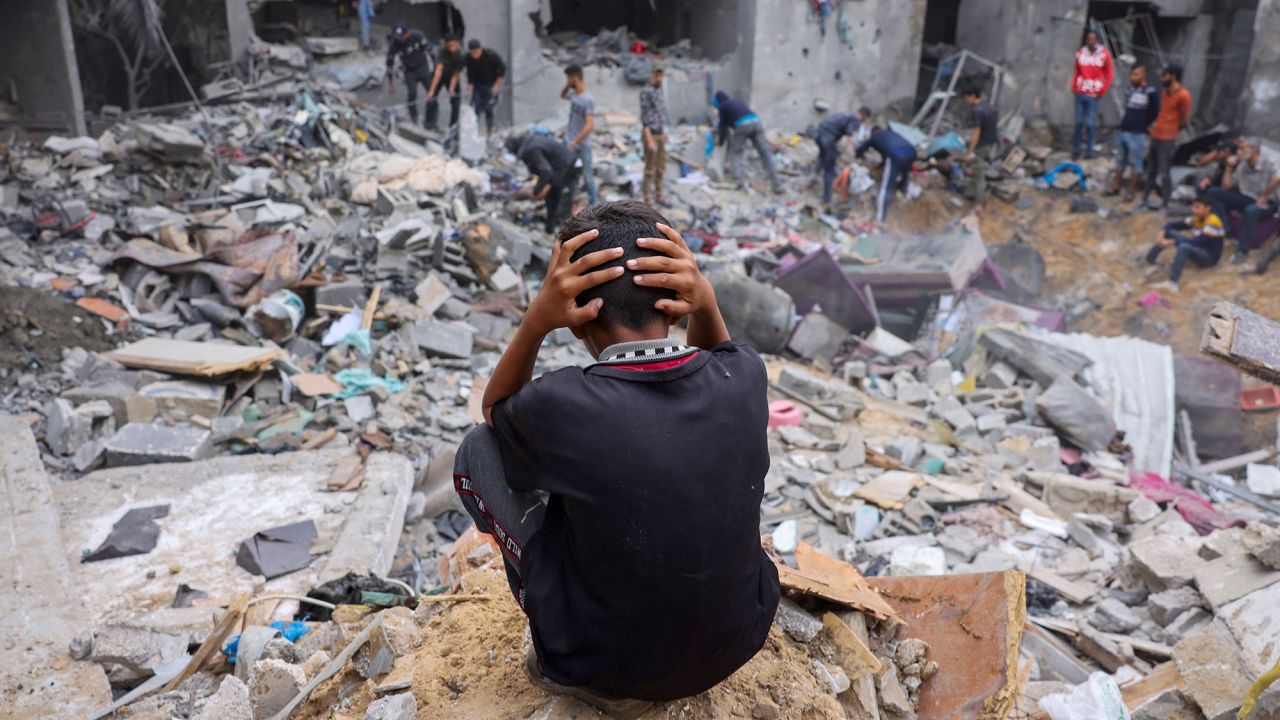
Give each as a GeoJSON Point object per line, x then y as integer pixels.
{"type": "Point", "coordinates": [828, 138]}
{"type": "Point", "coordinates": [557, 168]}
{"type": "Point", "coordinates": [738, 126]}
{"type": "Point", "coordinates": [449, 65]}
{"type": "Point", "coordinates": [1141, 108]}
{"type": "Point", "coordinates": [411, 47]}
{"type": "Point", "coordinates": [897, 156]}
{"type": "Point", "coordinates": [485, 73]}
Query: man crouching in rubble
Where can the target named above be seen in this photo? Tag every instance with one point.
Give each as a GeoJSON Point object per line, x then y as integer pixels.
{"type": "Point", "coordinates": [626, 495]}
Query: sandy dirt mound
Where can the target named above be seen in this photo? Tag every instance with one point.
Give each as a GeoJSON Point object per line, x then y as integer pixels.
{"type": "Point", "coordinates": [470, 666]}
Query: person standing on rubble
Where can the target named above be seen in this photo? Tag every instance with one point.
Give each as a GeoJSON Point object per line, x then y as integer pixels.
{"type": "Point", "coordinates": [828, 136]}
{"type": "Point", "coordinates": [1141, 108]}
{"type": "Point", "coordinates": [450, 63]}
{"type": "Point", "coordinates": [625, 496]}
{"type": "Point", "coordinates": [1175, 114]}
{"type": "Point", "coordinates": [1093, 77]}
{"type": "Point", "coordinates": [582, 122]}
{"type": "Point", "coordinates": [653, 121]}
{"type": "Point", "coordinates": [984, 141]}
{"type": "Point", "coordinates": [897, 155]}
{"type": "Point", "coordinates": [557, 169]}
{"type": "Point", "coordinates": [738, 126]}
{"type": "Point", "coordinates": [411, 47]}
{"type": "Point", "coordinates": [485, 73]}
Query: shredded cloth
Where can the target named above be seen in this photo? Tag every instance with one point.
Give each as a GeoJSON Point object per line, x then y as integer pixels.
{"type": "Point", "coordinates": [629, 352]}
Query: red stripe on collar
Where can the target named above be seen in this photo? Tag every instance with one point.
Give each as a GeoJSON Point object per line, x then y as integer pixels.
{"type": "Point", "coordinates": [656, 365]}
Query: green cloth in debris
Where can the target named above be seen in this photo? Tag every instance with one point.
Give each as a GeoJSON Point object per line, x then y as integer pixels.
{"type": "Point", "coordinates": [357, 381]}
{"type": "Point", "coordinates": [292, 426]}
{"type": "Point", "coordinates": [360, 341]}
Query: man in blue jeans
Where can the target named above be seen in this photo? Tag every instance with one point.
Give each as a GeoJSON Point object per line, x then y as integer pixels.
{"type": "Point", "coordinates": [1141, 108]}
{"type": "Point", "coordinates": [1198, 238]}
{"type": "Point", "coordinates": [1093, 76]}
{"type": "Point", "coordinates": [1249, 183]}
{"type": "Point", "coordinates": [582, 122]}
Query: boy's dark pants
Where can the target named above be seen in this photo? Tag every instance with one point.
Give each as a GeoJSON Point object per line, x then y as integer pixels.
{"type": "Point", "coordinates": [510, 517]}
{"type": "Point", "coordinates": [1186, 250]}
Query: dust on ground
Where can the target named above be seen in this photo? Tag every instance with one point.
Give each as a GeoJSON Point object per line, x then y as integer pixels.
{"type": "Point", "coordinates": [470, 666]}
{"type": "Point", "coordinates": [35, 326]}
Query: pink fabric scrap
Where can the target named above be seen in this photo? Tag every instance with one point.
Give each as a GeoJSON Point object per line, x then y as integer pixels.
{"type": "Point", "coordinates": [1194, 507]}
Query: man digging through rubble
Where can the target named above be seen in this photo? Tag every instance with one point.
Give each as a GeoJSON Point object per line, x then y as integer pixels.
{"type": "Point", "coordinates": [625, 495]}
{"type": "Point", "coordinates": [557, 169]}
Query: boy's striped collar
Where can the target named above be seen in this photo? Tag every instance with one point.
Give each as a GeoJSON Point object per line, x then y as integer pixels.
{"type": "Point", "coordinates": [644, 351]}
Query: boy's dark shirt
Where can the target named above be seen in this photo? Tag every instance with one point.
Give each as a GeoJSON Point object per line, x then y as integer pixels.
{"type": "Point", "coordinates": [984, 117]}
{"type": "Point", "coordinates": [647, 579]}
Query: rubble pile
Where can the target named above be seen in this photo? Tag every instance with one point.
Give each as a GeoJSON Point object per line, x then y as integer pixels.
{"type": "Point", "coordinates": [263, 327]}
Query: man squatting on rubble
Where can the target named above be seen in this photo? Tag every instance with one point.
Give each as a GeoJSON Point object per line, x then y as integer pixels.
{"type": "Point", "coordinates": [1141, 108]}
{"type": "Point", "coordinates": [738, 126]}
{"type": "Point", "coordinates": [1198, 238]}
{"type": "Point", "coordinates": [411, 47]}
{"type": "Point", "coordinates": [653, 119]}
{"type": "Point", "coordinates": [557, 169]}
{"type": "Point", "coordinates": [897, 156]}
{"type": "Point", "coordinates": [1093, 76]}
{"type": "Point", "coordinates": [582, 122]}
{"type": "Point", "coordinates": [485, 73]}
{"type": "Point", "coordinates": [828, 136]}
{"type": "Point", "coordinates": [625, 496]}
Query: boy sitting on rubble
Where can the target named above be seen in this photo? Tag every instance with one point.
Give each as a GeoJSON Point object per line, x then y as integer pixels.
{"type": "Point", "coordinates": [625, 495]}
{"type": "Point", "coordinates": [1198, 238]}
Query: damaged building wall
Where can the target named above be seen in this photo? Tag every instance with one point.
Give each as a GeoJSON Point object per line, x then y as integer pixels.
{"type": "Point", "coordinates": [875, 62]}
{"type": "Point", "coordinates": [1261, 99]}
{"type": "Point", "coordinates": [38, 67]}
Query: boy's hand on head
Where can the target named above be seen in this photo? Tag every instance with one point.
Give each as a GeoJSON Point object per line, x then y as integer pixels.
{"type": "Point", "coordinates": [556, 305]}
{"type": "Point", "coordinates": [675, 270]}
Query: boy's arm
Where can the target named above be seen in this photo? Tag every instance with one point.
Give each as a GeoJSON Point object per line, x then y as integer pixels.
{"type": "Point", "coordinates": [555, 307]}
{"type": "Point", "coordinates": [677, 270]}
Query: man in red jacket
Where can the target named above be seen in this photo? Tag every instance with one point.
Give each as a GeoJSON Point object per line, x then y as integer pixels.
{"type": "Point", "coordinates": [1092, 79]}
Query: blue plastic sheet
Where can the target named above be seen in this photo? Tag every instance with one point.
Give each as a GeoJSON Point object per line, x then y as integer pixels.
{"type": "Point", "coordinates": [357, 381]}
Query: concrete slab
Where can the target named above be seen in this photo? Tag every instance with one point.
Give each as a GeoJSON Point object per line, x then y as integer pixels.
{"type": "Point", "coordinates": [40, 607]}
{"type": "Point", "coordinates": [213, 506]}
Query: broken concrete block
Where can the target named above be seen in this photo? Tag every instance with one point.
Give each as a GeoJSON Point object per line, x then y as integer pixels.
{"type": "Point", "coordinates": [1045, 454]}
{"type": "Point", "coordinates": [1076, 414]}
{"type": "Point", "coordinates": [1171, 704]}
{"type": "Point", "coordinates": [1213, 667]}
{"type": "Point", "coordinates": [177, 401]}
{"type": "Point", "coordinates": [992, 421]}
{"type": "Point", "coordinates": [1163, 563]}
{"type": "Point", "coordinates": [832, 677]}
{"type": "Point", "coordinates": [131, 654]}
{"type": "Point", "coordinates": [1185, 624]}
{"type": "Point", "coordinates": [907, 449]}
{"type": "Point", "coordinates": [1253, 620]}
{"type": "Point", "coordinates": [141, 444]}
{"type": "Point", "coordinates": [65, 429]}
{"type": "Point", "coordinates": [169, 142]}
{"type": "Point", "coordinates": [443, 339]}
{"type": "Point", "coordinates": [272, 684]}
{"type": "Point", "coordinates": [913, 393]}
{"type": "Point", "coordinates": [344, 294]}
{"type": "Point", "coordinates": [393, 707]}
{"type": "Point", "coordinates": [1231, 577]}
{"type": "Point", "coordinates": [359, 408]}
{"type": "Point", "coordinates": [797, 622]}
{"type": "Point", "coordinates": [431, 293]}
{"type": "Point", "coordinates": [938, 374]}
{"type": "Point", "coordinates": [1113, 616]}
{"type": "Point", "coordinates": [999, 376]}
{"type": "Point", "coordinates": [315, 662]}
{"type": "Point", "coordinates": [893, 697]}
{"type": "Point", "coordinates": [1142, 510]}
{"type": "Point", "coordinates": [1263, 480]}
{"type": "Point", "coordinates": [88, 456]}
{"type": "Point", "coordinates": [961, 543]}
{"type": "Point", "coordinates": [853, 453]}
{"type": "Point", "coordinates": [230, 702]}
{"type": "Point", "coordinates": [959, 419]}
{"type": "Point", "coordinates": [811, 387]}
{"type": "Point", "coordinates": [504, 279]}
{"type": "Point", "coordinates": [1068, 494]}
{"type": "Point", "coordinates": [917, 560]}
{"type": "Point", "coordinates": [1263, 543]}
{"type": "Point", "coordinates": [1166, 606]}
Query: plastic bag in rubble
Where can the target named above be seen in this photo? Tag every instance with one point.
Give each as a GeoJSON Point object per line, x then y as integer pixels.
{"type": "Point", "coordinates": [1098, 698]}
{"type": "Point", "coordinates": [471, 146]}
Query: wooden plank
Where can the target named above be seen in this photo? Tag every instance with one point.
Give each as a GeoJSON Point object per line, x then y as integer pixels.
{"type": "Point", "coordinates": [1162, 678]}
{"type": "Point", "coordinates": [1056, 657]}
{"type": "Point", "coordinates": [1072, 592]}
{"type": "Point", "coordinates": [1237, 462]}
{"type": "Point", "coordinates": [213, 642]}
{"type": "Point", "coordinates": [834, 580]}
{"type": "Point", "coordinates": [1243, 339]}
{"type": "Point", "coordinates": [973, 625]}
{"type": "Point", "coordinates": [203, 359]}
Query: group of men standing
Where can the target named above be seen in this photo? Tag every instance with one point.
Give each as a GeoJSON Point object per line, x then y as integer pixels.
{"type": "Point", "coordinates": [485, 70]}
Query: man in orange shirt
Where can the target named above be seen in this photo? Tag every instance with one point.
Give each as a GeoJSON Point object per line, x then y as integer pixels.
{"type": "Point", "coordinates": [1175, 114]}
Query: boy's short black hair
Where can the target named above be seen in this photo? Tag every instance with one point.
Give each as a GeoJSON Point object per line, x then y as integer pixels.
{"type": "Point", "coordinates": [452, 36]}
{"type": "Point", "coordinates": [620, 224]}
{"type": "Point", "coordinates": [971, 91]}
{"type": "Point", "coordinates": [573, 71]}
{"type": "Point", "coordinates": [1173, 69]}
{"type": "Point", "coordinates": [1202, 199]}
{"type": "Point", "coordinates": [473, 44]}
